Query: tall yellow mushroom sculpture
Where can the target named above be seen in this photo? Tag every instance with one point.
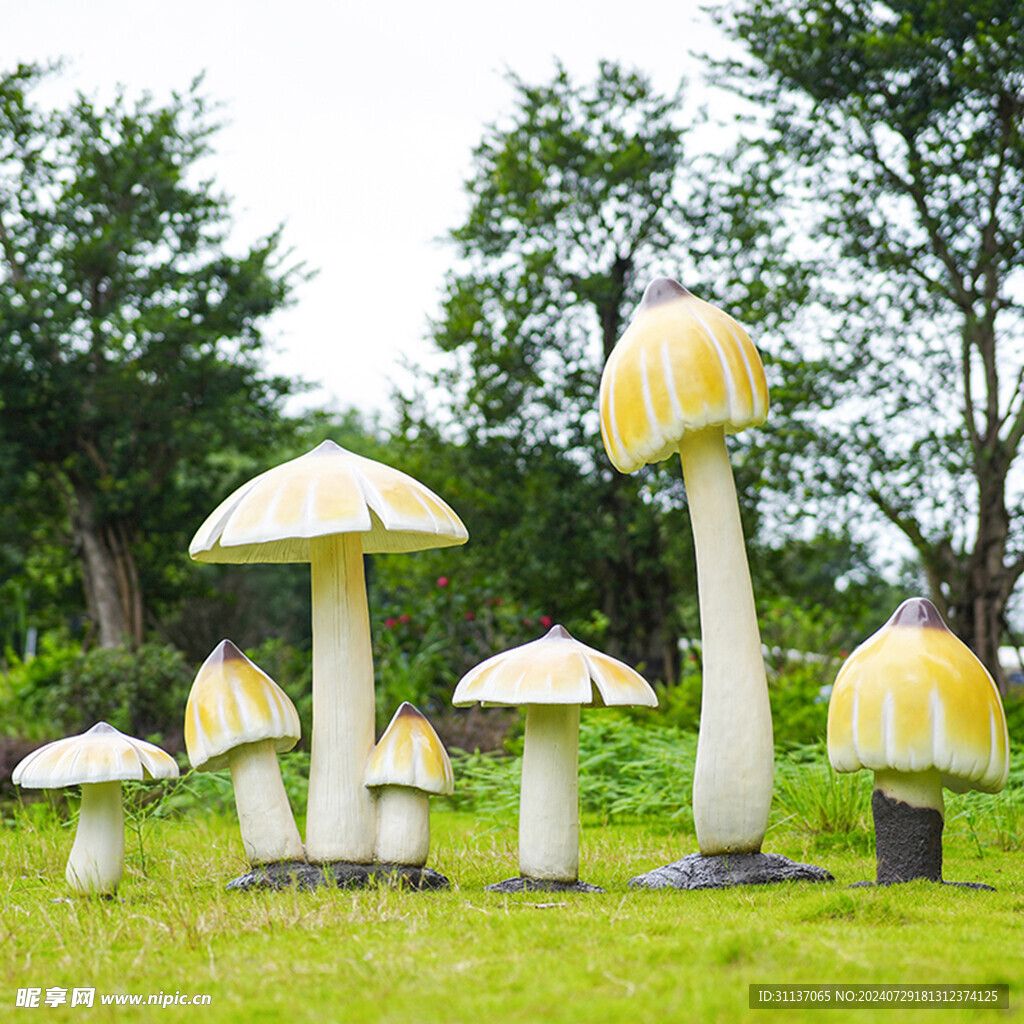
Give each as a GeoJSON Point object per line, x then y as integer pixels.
{"type": "Point", "coordinates": [683, 375]}
{"type": "Point", "coordinates": [915, 706]}
{"type": "Point", "coordinates": [329, 507]}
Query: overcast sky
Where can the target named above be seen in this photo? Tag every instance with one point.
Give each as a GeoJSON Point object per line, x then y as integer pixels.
{"type": "Point", "coordinates": [353, 125]}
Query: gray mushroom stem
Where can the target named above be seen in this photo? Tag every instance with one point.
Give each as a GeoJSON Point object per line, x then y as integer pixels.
{"type": "Point", "coordinates": [549, 818]}
{"type": "Point", "coordinates": [732, 785]}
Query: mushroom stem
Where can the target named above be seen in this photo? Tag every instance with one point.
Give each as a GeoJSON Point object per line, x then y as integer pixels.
{"type": "Point", "coordinates": [341, 815]}
{"type": "Point", "coordinates": [549, 817]}
{"type": "Point", "coordinates": [403, 826]}
{"type": "Point", "coordinates": [97, 856]}
{"type": "Point", "coordinates": [908, 812]}
{"type": "Point", "coordinates": [265, 818]}
{"type": "Point", "coordinates": [732, 785]}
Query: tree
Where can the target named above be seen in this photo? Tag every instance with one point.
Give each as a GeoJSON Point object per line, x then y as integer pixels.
{"type": "Point", "coordinates": [891, 141]}
{"type": "Point", "coordinates": [574, 200]}
{"type": "Point", "coordinates": [129, 333]}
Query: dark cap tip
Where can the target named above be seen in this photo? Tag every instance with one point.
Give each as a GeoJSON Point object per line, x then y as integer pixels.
{"type": "Point", "coordinates": [919, 612]}
{"type": "Point", "coordinates": [662, 289]}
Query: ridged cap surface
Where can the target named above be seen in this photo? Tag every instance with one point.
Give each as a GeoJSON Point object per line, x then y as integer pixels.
{"type": "Point", "coordinates": [102, 754]}
{"type": "Point", "coordinates": [325, 492]}
{"type": "Point", "coordinates": [233, 702]}
{"type": "Point", "coordinates": [410, 753]}
{"type": "Point", "coordinates": [682, 365]}
{"type": "Point", "coordinates": [556, 669]}
{"type": "Point", "coordinates": [914, 697]}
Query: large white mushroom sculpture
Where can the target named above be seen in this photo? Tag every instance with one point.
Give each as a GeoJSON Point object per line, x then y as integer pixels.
{"type": "Point", "coordinates": [552, 677]}
{"type": "Point", "coordinates": [98, 760]}
{"type": "Point", "coordinates": [329, 507]}
{"type": "Point", "coordinates": [682, 376]}
{"type": "Point", "coordinates": [915, 706]}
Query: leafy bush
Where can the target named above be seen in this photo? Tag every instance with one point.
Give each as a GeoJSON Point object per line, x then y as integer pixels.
{"type": "Point", "coordinates": [63, 691]}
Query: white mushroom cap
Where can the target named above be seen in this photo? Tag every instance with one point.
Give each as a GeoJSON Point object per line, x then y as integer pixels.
{"type": "Point", "coordinates": [556, 669]}
{"type": "Point", "coordinates": [682, 365]}
{"type": "Point", "coordinates": [102, 754]}
{"type": "Point", "coordinates": [325, 492]}
{"type": "Point", "coordinates": [410, 753]}
{"type": "Point", "coordinates": [913, 697]}
{"type": "Point", "coordinates": [233, 702]}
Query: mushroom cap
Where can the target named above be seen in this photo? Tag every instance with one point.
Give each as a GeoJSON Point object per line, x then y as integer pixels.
{"type": "Point", "coordinates": [325, 492]}
{"type": "Point", "coordinates": [913, 697]}
{"type": "Point", "coordinates": [556, 669]}
{"type": "Point", "coordinates": [682, 365]}
{"type": "Point", "coordinates": [232, 702]}
{"type": "Point", "coordinates": [101, 754]}
{"type": "Point", "coordinates": [410, 754]}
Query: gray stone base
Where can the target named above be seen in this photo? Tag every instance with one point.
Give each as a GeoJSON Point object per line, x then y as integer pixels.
{"type": "Point", "coordinates": [339, 874]}
{"type": "Point", "coordinates": [523, 884]}
{"type": "Point", "coordinates": [721, 872]}
{"type": "Point", "coordinates": [941, 881]}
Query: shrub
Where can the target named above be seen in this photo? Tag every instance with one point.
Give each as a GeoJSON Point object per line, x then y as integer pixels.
{"type": "Point", "coordinates": [63, 691]}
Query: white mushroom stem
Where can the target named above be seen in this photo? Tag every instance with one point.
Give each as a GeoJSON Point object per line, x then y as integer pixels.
{"type": "Point", "coordinates": [341, 814]}
{"type": "Point", "coordinates": [918, 789]}
{"type": "Point", "coordinates": [549, 817]}
{"type": "Point", "coordinates": [403, 826]}
{"type": "Point", "coordinates": [97, 856]}
{"type": "Point", "coordinates": [732, 785]}
{"type": "Point", "coordinates": [265, 818]}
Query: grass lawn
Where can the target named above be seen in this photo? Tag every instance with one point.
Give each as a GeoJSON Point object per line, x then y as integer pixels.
{"type": "Point", "coordinates": [470, 956]}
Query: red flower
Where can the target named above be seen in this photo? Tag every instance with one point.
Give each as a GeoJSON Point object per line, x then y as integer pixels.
{"type": "Point", "coordinates": [470, 616]}
{"type": "Point", "coordinates": [545, 621]}
{"type": "Point", "coordinates": [442, 581]}
{"type": "Point", "coordinates": [404, 618]}
{"type": "Point", "coordinates": [390, 623]}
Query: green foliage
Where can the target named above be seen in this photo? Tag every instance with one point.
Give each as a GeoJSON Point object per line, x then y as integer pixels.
{"type": "Point", "coordinates": [889, 168]}
{"type": "Point", "coordinates": [573, 201]}
{"type": "Point", "coordinates": [130, 338]}
{"type": "Point", "coordinates": [63, 691]}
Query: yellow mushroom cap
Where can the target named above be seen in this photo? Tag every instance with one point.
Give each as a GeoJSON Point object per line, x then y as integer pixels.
{"type": "Point", "coordinates": [325, 492]}
{"type": "Point", "coordinates": [682, 365]}
{"type": "Point", "coordinates": [556, 669]}
{"type": "Point", "coordinates": [913, 697]}
{"type": "Point", "coordinates": [411, 754]}
{"type": "Point", "coordinates": [232, 702]}
{"type": "Point", "coordinates": [101, 754]}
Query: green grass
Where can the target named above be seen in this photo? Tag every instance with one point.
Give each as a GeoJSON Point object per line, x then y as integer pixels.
{"type": "Point", "coordinates": [470, 956]}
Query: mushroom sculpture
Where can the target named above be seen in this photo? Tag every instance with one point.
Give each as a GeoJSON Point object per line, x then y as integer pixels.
{"type": "Point", "coordinates": [553, 677]}
{"type": "Point", "coordinates": [407, 765]}
{"type": "Point", "coordinates": [683, 375]}
{"type": "Point", "coordinates": [98, 760]}
{"type": "Point", "coordinates": [237, 717]}
{"type": "Point", "coordinates": [329, 507]}
{"type": "Point", "coordinates": [915, 706]}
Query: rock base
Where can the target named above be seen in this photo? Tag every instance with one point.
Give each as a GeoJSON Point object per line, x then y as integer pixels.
{"type": "Point", "coordinates": [339, 875]}
{"type": "Point", "coordinates": [523, 884]}
{"type": "Point", "coordinates": [697, 871]}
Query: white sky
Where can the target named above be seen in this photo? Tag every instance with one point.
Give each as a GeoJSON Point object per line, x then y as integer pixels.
{"type": "Point", "coordinates": [352, 123]}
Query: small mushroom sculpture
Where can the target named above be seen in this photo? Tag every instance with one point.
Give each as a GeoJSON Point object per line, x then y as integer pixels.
{"type": "Point", "coordinates": [683, 375]}
{"type": "Point", "coordinates": [329, 507]}
{"type": "Point", "coordinates": [99, 760]}
{"type": "Point", "coordinates": [407, 765]}
{"type": "Point", "coordinates": [553, 677]}
{"type": "Point", "coordinates": [237, 717]}
{"type": "Point", "coordinates": [915, 706]}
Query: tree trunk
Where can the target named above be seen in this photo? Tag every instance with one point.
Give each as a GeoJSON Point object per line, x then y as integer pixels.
{"type": "Point", "coordinates": [112, 593]}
